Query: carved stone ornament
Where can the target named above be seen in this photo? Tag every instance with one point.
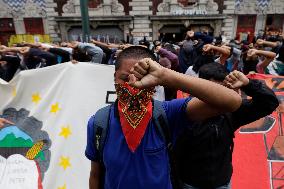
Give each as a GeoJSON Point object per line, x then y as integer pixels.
{"type": "Point", "coordinates": [164, 7]}
{"type": "Point", "coordinates": [116, 7]}
{"type": "Point", "coordinates": [211, 6]}
{"type": "Point", "coordinates": [31, 9]}
{"type": "Point", "coordinates": [5, 10]}
{"type": "Point", "coordinates": [239, 4]}
{"type": "Point", "coordinates": [69, 7]}
{"type": "Point", "coordinates": [200, 7]}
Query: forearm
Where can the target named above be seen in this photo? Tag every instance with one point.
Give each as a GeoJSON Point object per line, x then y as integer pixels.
{"type": "Point", "coordinates": [267, 54]}
{"type": "Point", "coordinates": [261, 95]}
{"type": "Point", "coordinates": [225, 53]}
{"type": "Point", "coordinates": [13, 49]}
{"type": "Point", "coordinates": [101, 44]}
{"type": "Point", "coordinates": [270, 44]}
{"type": "Point", "coordinates": [211, 93]}
{"type": "Point", "coordinates": [95, 174]}
{"type": "Point", "coordinates": [35, 45]}
{"type": "Point", "coordinates": [222, 50]}
{"type": "Point", "coordinates": [263, 103]}
{"type": "Point", "coordinates": [93, 182]}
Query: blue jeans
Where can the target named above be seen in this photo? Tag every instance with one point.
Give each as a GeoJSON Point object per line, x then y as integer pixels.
{"type": "Point", "coordinates": [226, 186]}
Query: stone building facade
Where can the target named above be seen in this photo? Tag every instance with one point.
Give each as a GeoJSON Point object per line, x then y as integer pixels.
{"type": "Point", "coordinates": [114, 20]}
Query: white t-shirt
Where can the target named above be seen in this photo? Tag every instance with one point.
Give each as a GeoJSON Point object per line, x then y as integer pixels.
{"type": "Point", "coordinates": [160, 93]}
{"type": "Point", "coordinates": [190, 72]}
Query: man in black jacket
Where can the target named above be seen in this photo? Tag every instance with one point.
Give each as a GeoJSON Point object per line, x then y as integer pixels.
{"type": "Point", "coordinates": [204, 151]}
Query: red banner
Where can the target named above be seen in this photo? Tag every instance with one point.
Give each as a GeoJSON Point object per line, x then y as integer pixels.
{"type": "Point", "coordinates": [258, 157]}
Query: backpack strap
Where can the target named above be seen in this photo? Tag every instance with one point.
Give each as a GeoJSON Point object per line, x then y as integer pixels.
{"type": "Point", "coordinates": [101, 124]}
{"type": "Point", "coordinates": [161, 122]}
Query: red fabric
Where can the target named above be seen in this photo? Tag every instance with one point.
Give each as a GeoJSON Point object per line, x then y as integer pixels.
{"type": "Point", "coordinates": [274, 82]}
{"type": "Point", "coordinates": [250, 157]}
{"type": "Point", "coordinates": [135, 112]}
{"type": "Point", "coordinates": [134, 135]}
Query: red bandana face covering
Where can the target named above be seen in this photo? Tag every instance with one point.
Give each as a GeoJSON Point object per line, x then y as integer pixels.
{"type": "Point", "coordinates": [135, 112]}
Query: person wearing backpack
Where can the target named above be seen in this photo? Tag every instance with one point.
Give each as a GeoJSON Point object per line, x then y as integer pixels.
{"type": "Point", "coordinates": [126, 148]}
{"type": "Point", "coordinates": [204, 150]}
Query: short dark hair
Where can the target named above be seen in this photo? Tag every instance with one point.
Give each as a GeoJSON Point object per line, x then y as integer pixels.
{"type": "Point", "coordinates": [214, 71]}
{"type": "Point", "coordinates": [202, 60]}
{"type": "Point", "coordinates": [133, 52]}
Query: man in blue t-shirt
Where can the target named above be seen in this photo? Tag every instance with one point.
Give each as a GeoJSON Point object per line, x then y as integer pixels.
{"type": "Point", "coordinates": [134, 155]}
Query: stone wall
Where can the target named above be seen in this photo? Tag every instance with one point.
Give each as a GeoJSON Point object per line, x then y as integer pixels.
{"type": "Point", "coordinates": [233, 8]}
{"type": "Point", "coordinates": [140, 12]}
{"type": "Point", "coordinates": [141, 25]}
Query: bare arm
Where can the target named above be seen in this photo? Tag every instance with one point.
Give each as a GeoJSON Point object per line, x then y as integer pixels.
{"type": "Point", "coordinates": [21, 50]}
{"type": "Point", "coordinates": [211, 99]}
{"type": "Point", "coordinates": [266, 43]}
{"type": "Point", "coordinates": [104, 44]}
{"type": "Point", "coordinates": [36, 45]}
{"type": "Point", "coordinates": [5, 121]}
{"type": "Point", "coordinates": [225, 52]}
{"type": "Point", "coordinates": [269, 56]}
{"type": "Point", "coordinates": [94, 180]}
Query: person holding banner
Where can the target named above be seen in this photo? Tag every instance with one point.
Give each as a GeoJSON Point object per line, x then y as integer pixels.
{"type": "Point", "coordinates": [5, 121]}
{"type": "Point", "coordinates": [134, 155]}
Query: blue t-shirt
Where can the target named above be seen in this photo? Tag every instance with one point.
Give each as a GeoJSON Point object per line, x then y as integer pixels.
{"type": "Point", "coordinates": [149, 166]}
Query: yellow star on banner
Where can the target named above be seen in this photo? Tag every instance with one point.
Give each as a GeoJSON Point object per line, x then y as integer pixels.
{"type": "Point", "coordinates": [63, 187]}
{"type": "Point", "coordinates": [65, 162]}
{"type": "Point", "coordinates": [36, 98]}
{"type": "Point", "coordinates": [65, 132]}
{"type": "Point", "coordinates": [54, 108]}
{"type": "Point", "coordinates": [14, 91]}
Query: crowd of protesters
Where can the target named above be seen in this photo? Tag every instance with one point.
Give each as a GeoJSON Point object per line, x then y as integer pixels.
{"type": "Point", "coordinates": [204, 150]}
{"type": "Point", "coordinates": [264, 55]}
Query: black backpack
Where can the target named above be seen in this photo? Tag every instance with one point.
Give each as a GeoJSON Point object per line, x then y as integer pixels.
{"type": "Point", "coordinates": [101, 124]}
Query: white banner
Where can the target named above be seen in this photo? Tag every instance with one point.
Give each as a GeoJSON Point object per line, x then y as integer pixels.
{"type": "Point", "coordinates": [50, 108]}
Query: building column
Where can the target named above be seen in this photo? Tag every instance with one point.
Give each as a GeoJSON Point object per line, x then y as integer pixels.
{"type": "Point", "coordinates": [45, 25]}
{"type": "Point", "coordinates": [235, 26]}
{"type": "Point", "coordinates": [50, 25]}
{"type": "Point", "coordinates": [142, 25]}
{"type": "Point", "coordinates": [155, 31]}
{"type": "Point", "coordinates": [63, 31]}
{"type": "Point", "coordinates": [19, 25]}
{"type": "Point", "coordinates": [228, 27]}
{"type": "Point", "coordinates": [126, 30]}
{"type": "Point", "coordinates": [218, 26]}
{"type": "Point", "coordinates": [260, 23]}
{"type": "Point", "coordinates": [229, 22]}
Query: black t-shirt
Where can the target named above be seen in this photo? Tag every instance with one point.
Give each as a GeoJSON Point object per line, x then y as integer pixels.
{"type": "Point", "coordinates": [65, 56]}
{"type": "Point", "coordinates": [36, 56]}
{"type": "Point", "coordinates": [249, 65]}
{"type": "Point", "coordinates": [8, 70]}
